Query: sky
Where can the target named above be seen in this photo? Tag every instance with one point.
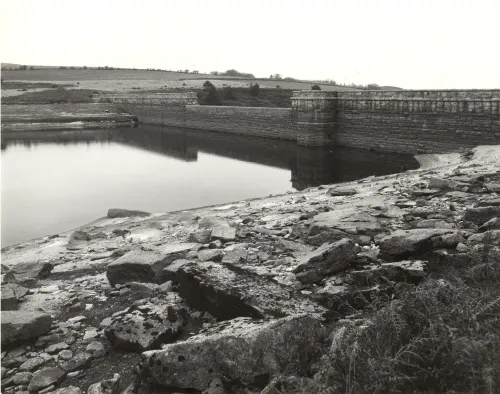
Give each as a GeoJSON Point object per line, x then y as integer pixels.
{"type": "Point", "coordinates": [414, 44]}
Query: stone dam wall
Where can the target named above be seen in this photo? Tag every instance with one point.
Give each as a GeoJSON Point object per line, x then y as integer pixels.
{"type": "Point", "coordinates": [183, 110]}
{"type": "Point", "coordinates": [414, 121]}
{"type": "Point", "coordinates": [418, 121]}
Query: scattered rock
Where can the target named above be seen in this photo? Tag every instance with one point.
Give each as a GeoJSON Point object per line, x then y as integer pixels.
{"type": "Point", "coordinates": [201, 236]}
{"type": "Point", "coordinates": [224, 234]}
{"type": "Point", "coordinates": [81, 360]}
{"type": "Point", "coordinates": [22, 378]}
{"type": "Point", "coordinates": [96, 349]}
{"type": "Point", "coordinates": [12, 293]}
{"type": "Point", "coordinates": [491, 237]}
{"type": "Point", "coordinates": [149, 325]}
{"type": "Point", "coordinates": [481, 215]}
{"type": "Point", "coordinates": [31, 272]}
{"type": "Point", "coordinates": [145, 266]}
{"type": "Point", "coordinates": [18, 327]}
{"type": "Point", "coordinates": [326, 260]}
{"type": "Point", "coordinates": [344, 223]}
{"type": "Point", "coordinates": [240, 350]}
{"type": "Point", "coordinates": [210, 255]}
{"type": "Point", "coordinates": [56, 348]}
{"type": "Point", "coordinates": [442, 184]}
{"type": "Point", "coordinates": [402, 244]}
{"type": "Point", "coordinates": [45, 377]}
{"type": "Point", "coordinates": [32, 364]}
{"type": "Point", "coordinates": [341, 191]}
{"type": "Point", "coordinates": [492, 224]}
{"type": "Point", "coordinates": [110, 386]}
{"type": "Point", "coordinates": [401, 271]}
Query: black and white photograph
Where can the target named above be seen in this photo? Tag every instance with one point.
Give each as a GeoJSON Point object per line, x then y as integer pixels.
{"type": "Point", "coordinates": [250, 196]}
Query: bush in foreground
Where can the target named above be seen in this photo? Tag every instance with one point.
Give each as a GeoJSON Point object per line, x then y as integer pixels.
{"type": "Point", "coordinates": [442, 336]}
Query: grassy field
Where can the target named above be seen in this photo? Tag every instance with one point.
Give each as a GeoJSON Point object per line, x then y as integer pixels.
{"type": "Point", "coordinates": [126, 80]}
{"type": "Point", "coordinates": [54, 85]}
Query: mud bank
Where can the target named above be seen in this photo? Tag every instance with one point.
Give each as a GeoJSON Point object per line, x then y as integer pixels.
{"type": "Point", "coordinates": [32, 117]}
{"type": "Point", "coordinates": [253, 296]}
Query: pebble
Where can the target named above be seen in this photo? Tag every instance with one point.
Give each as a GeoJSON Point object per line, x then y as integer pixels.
{"type": "Point", "coordinates": [96, 349]}
{"type": "Point", "coordinates": [32, 363]}
{"type": "Point", "coordinates": [66, 355]}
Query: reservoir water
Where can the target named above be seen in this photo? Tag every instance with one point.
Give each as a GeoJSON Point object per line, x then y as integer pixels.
{"type": "Point", "coordinates": [53, 181]}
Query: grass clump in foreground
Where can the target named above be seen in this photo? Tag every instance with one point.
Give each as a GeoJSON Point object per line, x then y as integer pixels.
{"type": "Point", "coordinates": [443, 336]}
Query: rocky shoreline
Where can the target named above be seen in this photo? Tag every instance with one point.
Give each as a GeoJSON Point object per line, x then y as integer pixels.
{"type": "Point", "coordinates": [257, 296]}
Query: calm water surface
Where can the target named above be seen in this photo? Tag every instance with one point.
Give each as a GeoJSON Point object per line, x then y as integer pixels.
{"type": "Point", "coordinates": [56, 181]}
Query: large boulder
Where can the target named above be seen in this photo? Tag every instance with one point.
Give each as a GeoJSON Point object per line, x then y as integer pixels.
{"type": "Point", "coordinates": [227, 291]}
{"type": "Point", "coordinates": [237, 351]}
{"type": "Point", "coordinates": [145, 266]}
{"type": "Point", "coordinates": [401, 271]}
{"type": "Point", "coordinates": [338, 224]}
{"type": "Point", "coordinates": [31, 271]}
{"type": "Point", "coordinates": [402, 244]}
{"type": "Point", "coordinates": [491, 237]}
{"type": "Point", "coordinates": [326, 260]}
{"type": "Point", "coordinates": [18, 327]}
{"type": "Point", "coordinates": [11, 294]}
{"type": "Point", "coordinates": [149, 324]}
{"type": "Point", "coordinates": [123, 213]}
{"type": "Point", "coordinates": [481, 215]}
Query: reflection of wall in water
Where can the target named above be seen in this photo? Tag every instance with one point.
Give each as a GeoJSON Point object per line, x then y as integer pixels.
{"type": "Point", "coordinates": [319, 166]}
{"type": "Point", "coordinates": [184, 144]}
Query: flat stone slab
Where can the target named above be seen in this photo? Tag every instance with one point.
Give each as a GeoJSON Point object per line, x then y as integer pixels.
{"type": "Point", "coordinates": [149, 325]}
{"type": "Point", "coordinates": [334, 225]}
{"type": "Point", "coordinates": [239, 350]}
{"type": "Point", "coordinates": [326, 260]}
{"type": "Point", "coordinates": [11, 294]}
{"type": "Point", "coordinates": [226, 292]}
{"type": "Point", "coordinates": [18, 327]}
{"type": "Point", "coordinates": [145, 266]}
{"type": "Point", "coordinates": [31, 272]}
{"type": "Point", "coordinates": [481, 215]}
{"type": "Point", "coordinates": [402, 244]}
{"type": "Point", "coordinates": [45, 377]}
{"type": "Point", "coordinates": [401, 271]}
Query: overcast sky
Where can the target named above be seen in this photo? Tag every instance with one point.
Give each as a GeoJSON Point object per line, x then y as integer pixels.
{"type": "Point", "coordinates": [408, 43]}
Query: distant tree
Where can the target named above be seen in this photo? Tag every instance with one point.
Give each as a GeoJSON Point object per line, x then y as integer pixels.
{"type": "Point", "coordinates": [254, 89]}
{"type": "Point", "coordinates": [32, 67]}
{"type": "Point", "coordinates": [186, 71]}
{"type": "Point", "coordinates": [72, 68]}
{"type": "Point", "coordinates": [276, 76]}
{"type": "Point", "coordinates": [84, 67]}
{"type": "Point", "coordinates": [373, 86]}
{"type": "Point", "coordinates": [228, 93]}
{"type": "Point", "coordinates": [23, 67]}
{"type": "Point", "coordinates": [209, 94]}
{"type": "Point", "coordinates": [214, 73]}
{"type": "Point", "coordinates": [234, 73]}
{"type": "Point", "coordinates": [315, 87]}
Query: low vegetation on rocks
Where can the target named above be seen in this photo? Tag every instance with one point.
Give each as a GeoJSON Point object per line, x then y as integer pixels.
{"type": "Point", "coordinates": [386, 284]}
